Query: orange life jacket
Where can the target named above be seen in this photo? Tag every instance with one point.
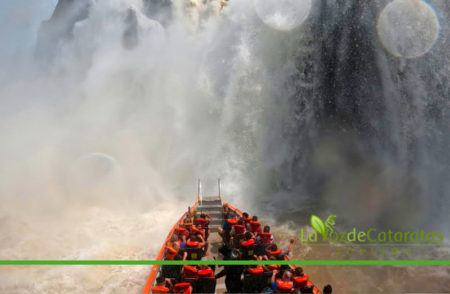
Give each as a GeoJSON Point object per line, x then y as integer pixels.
{"type": "Point", "coordinates": [206, 273]}
{"type": "Point", "coordinates": [256, 270]}
{"type": "Point", "coordinates": [192, 244]}
{"type": "Point", "coordinates": [272, 267]}
{"type": "Point", "coordinates": [196, 230]}
{"type": "Point", "coordinates": [171, 253]}
{"type": "Point", "coordinates": [190, 272]}
{"type": "Point", "coordinates": [301, 281]}
{"type": "Point", "coordinates": [160, 289]}
{"type": "Point", "coordinates": [184, 288]}
{"type": "Point", "coordinates": [248, 243]}
{"type": "Point", "coordinates": [265, 238]}
{"type": "Point", "coordinates": [247, 220]}
{"type": "Point", "coordinates": [232, 221]}
{"type": "Point", "coordinates": [284, 286]}
{"type": "Point", "coordinates": [239, 229]}
{"type": "Point", "coordinates": [200, 222]}
{"type": "Point", "coordinates": [255, 226]}
{"type": "Point", "coordinates": [275, 253]}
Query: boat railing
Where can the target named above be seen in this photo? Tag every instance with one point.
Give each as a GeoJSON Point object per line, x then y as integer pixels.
{"type": "Point", "coordinates": [156, 268]}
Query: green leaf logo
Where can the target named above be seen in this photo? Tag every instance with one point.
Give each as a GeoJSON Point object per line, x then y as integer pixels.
{"type": "Point", "coordinates": [318, 225]}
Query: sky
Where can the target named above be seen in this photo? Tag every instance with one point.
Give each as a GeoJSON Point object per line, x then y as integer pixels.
{"type": "Point", "coordinates": [19, 23]}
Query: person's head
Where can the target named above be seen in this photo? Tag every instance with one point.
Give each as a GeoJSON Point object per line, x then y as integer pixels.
{"type": "Point", "coordinates": [193, 238]}
{"type": "Point", "coordinates": [248, 236]}
{"type": "Point", "coordinates": [299, 271]}
{"type": "Point", "coordinates": [255, 218]}
{"type": "Point", "coordinates": [240, 221]}
{"type": "Point", "coordinates": [287, 276]}
{"type": "Point", "coordinates": [306, 290]}
{"type": "Point", "coordinates": [202, 215]}
{"type": "Point", "coordinates": [160, 281]}
{"type": "Point", "coordinates": [187, 220]}
{"type": "Point", "coordinates": [266, 229]}
{"type": "Point", "coordinates": [327, 289]}
{"type": "Point", "coordinates": [245, 215]}
{"type": "Point", "coordinates": [273, 247]}
{"type": "Point", "coordinates": [174, 238]}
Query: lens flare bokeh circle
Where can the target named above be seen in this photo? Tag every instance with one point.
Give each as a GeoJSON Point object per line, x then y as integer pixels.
{"type": "Point", "coordinates": [408, 28]}
{"type": "Point", "coordinates": [283, 15]}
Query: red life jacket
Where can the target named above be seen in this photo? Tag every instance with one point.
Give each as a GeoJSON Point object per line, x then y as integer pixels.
{"type": "Point", "coordinates": [284, 286]}
{"type": "Point", "coordinates": [206, 273]}
{"type": "Point", "coordinates": [180, 231]}
{"type": "Point", "coordinates": [184, 288]}
{"type": "Point", "coordinates": [255, 226]}
{"type": "Point", "coordinates": [160, 289]}
{"type": "Point", "coordinates": [266, 238]}
{"type": "Point", "coordinates": [256, 270]}
{"type": "Point", "coordinates": [192, 244]}
{"type": "Point", "coordinates": [200, 222]}
{"type": "Point", "coordinates": [232, 221]}
{"type": "Point", "coordinates": [301, 281]}
{"type": "Point", "coordinates": [190, 272]}
{"type": "Point", "coordinates": [239, 229]}
{"type": "Point", "coordinates": [247, 220]}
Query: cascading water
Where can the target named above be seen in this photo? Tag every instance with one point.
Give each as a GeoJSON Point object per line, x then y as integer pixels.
{"type": "Point", "coordinates": [107, 123]}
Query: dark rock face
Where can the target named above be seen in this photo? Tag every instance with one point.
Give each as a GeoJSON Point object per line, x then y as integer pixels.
{"type": "Point", "coordinates": [60, 26]}
{"type": "Point", "coordinates": [130, 37]}
{"type": "Point", "coordinates": [159, 10]}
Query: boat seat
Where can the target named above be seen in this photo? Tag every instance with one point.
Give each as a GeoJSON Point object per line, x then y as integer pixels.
{"type": "Point", "coordinates": [206, 285]}
{"type": "Point", "coordinates": [194, 253]}
{"type": "Point", "coordinates": [247, 252]}
{"type": "Point", "coordinates": [254, 283]}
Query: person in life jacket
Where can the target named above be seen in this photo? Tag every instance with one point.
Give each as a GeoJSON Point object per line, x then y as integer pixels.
{"type": "Point", "coordinates": [237, 233]}
{"type": "Point", "coordinates": [248, 247]}
{"type": "Point", "coordinates": [182, 288]}
{"type": "Point", "coordinates": [225, 230]}
{"type": "Point", "coordinates": [285, 284]}
{"type": "Point", "coordinates": [274, 253]}
{"type": "Point", "coordinates": [265, 237]}
{"type": "Point", "coordinates": [205, 271]}
{"type": "Point", "coordinates": [194, 247]}
{"type": "Point", "coordinates": [255, 226]}
{"type": "Point", "coordinates": [246, 218]}
{"type": "Point", "coordinates": [189, 272]}
{"type": "Point", "coordinates": [163, 285]}
{"type": "Point", "coordinates": [300, 279]}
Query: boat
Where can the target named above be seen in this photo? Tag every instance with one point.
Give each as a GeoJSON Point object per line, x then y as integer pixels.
{"type": "Point", "coordinates": [220, 212]}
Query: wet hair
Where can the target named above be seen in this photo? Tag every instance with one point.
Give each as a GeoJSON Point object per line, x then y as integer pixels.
{"type": "Point", "coordinates": [266, 229]}
{"type": "Point", "coordinates": [273, 247]}
{"type": "Point", "coordinates": [160, 280]}
{"type": "Point", "coordinates": [245, 215]}
{"type": "Point", "coordinates": [240, 221]}
{"type": "Point", "coordinates": [287, 275]}
{"type": "Point", "coordinates": [327, 289]}
{"type": "Point", "coordinates": [193, 238]}
{"type": "Point", "coordinates": [248, 236]}
{"type": "Point", "coordinates": [187, 220]}
{"type": "Point", "coordinates": [254, 218]}
{"type": "Point", "coordinates": [202, 215]}
{"type": "Point", "coordinates": [299, 271]}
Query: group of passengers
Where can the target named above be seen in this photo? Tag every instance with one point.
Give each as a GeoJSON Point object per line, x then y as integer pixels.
{"type": "Point", "coordinates": [243, 239]}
